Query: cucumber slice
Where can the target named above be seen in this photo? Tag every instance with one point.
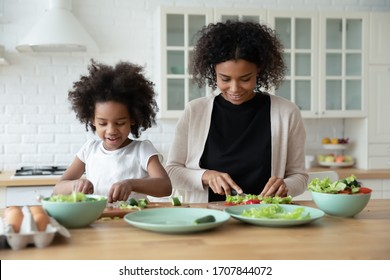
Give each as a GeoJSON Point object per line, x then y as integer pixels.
{"type": "Point", "coordinates": [175, 201]}
{"type": "Point", "coordinates": [205, 219]}
{"type": "Point", "coordinates": [132, 201]}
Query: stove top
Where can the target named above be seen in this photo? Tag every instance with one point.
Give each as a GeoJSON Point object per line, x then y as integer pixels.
{"type": "Point", "coordinates": [40, 171]}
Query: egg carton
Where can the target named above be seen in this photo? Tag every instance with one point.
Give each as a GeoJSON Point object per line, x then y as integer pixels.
{"type": "Point", "coordinates": [29, 234]}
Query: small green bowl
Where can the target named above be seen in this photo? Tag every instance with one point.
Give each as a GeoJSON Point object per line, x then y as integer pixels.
{"type": "Point", "coordinates": [342, 205]}
{"type": "Point", "coordinates": [75, 214]}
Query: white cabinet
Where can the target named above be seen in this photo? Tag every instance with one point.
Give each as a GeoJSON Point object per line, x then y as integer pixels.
{"type": "Point", "coordinates": [299, 36]}
{"type": "Point", "coordinates": [26, 195]}
{"type": "Point", "coordinates": [178, 28]}
{"type": "Point", "coordinates": [379, 38]}
{"type": "Point", "coordinates": [343, 64]}
{"type": "Point", "coordinates": [326, 56]}
{"type": "Point", "coordinates": [378, 121]}
{"type": "Point", "coordinates": [326, 62]}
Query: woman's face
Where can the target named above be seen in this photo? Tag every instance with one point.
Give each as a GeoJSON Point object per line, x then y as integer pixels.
{"type": "Point", "coordinates": [113, 124]}
{"type": "Point", "coordinates": [236, 79]}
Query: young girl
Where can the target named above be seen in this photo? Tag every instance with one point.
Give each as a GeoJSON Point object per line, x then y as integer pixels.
{"type": "Point", "coordinates": [114, 102]}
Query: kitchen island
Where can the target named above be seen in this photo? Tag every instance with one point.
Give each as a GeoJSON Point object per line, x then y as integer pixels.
{"type": "Point", "coordinates": [364, 237]}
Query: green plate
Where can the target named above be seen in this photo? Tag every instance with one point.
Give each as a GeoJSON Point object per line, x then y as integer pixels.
{"type": "Point", "coordinates": [175, 220]}
{"type": "Point", "coordinates": [236, 211]}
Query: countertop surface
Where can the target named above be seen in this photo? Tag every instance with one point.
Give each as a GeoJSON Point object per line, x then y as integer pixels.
{"type": "Point", "coordinates": [364, 237]}
{"type": "Point", "coordinates": [359, 173]}
{"type": "Point", "coordinates": [7, 178]}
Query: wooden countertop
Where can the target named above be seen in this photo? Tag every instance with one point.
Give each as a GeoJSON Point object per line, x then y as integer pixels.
{"type": "Point", "coordinates": [359, 173]}
{"type": "Point", "coordinates": [365, 237]}
{"type": "Point", "coordinates": [7, 180]}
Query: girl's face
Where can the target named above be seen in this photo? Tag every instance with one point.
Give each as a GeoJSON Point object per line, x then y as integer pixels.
{"type": "Point", "coordinates": [236, 79]}
{"type": "Point", "coordinates": [113, 124]}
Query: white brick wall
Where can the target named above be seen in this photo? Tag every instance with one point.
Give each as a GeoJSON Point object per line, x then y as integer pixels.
{"type": "Point", "coordinates": [36, 124]}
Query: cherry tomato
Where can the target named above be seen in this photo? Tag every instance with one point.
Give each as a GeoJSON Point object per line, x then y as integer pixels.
{"type": "Point", "coordinates": [253, 201]}
{"type": "Point", "coordinates": [345, 191]}
{"type": "Point", "coordinates": [364, 190]}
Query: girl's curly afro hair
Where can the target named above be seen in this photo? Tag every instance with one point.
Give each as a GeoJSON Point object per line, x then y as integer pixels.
{"type": "Point", "coordinates": [234, 40]}
{"type": "Point", "coordinates": [124, 83]}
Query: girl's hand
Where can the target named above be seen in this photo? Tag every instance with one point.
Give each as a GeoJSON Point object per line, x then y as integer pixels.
{"type": "Point", "coordinates": [83, 186]}
{"type": "Point", "coordinates": [221, 183]}
{"type": "Point", "coordinates": [275, 186]}
{"type": "Point", "coordinates": [120, 191]}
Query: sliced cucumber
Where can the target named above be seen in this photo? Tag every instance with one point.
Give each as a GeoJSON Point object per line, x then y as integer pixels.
{"type": "Point", "coordinates": [175, 201]}
{"type": "Point", "coordinates": [132, 201]}
{"type": "Point", "coordinates": [205, 219]}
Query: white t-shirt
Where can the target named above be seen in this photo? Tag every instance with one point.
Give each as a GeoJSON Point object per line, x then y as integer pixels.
{"type": "Point", "coordinates": [104, 168]}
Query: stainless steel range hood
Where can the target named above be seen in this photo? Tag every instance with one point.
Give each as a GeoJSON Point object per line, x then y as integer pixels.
{"type": "Point", "coordinates": [58, 31]}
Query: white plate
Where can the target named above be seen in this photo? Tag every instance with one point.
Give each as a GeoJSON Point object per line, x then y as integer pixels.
{"type": "Point", "coordinates": [335, 146]}
{"type": "Point", "coordinates": [336, 164]}
{"type": "Point", "coordinates": [236, 212]}
{"type": "Point", "coordinates": [175, 220]}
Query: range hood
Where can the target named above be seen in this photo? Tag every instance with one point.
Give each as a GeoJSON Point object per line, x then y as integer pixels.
{"type": "Point", "coordinates": [58, 31]}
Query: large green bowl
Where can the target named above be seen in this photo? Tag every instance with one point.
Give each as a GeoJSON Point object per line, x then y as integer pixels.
{"type": "Point", "coordinates": [342, 205]}
{"type": "Point", "coordinates": [75, 214]}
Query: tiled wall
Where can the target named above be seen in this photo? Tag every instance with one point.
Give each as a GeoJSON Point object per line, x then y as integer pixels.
{"type": "Point", "coordinates": [36, 124]}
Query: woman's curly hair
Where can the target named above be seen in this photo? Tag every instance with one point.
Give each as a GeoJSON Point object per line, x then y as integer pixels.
{"type": "Point", "coordinates": [232, 40]}
{"type": "Point", "coordinates": [124, 83]}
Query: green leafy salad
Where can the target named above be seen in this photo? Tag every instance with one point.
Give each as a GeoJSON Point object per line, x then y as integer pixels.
{"type": "Point", "coordinates": [256, 199]}
{"type": "Point", "coordinates": [131, 203]}
{"type": "Point", "coordinates": [74, 197]}
{"type": "Point", "coordinates": [276, 211]}
{"type": "Point", "coordinates": [347, 185]}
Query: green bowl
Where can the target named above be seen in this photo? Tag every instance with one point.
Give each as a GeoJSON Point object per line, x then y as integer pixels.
{"type": "Point", "coordinates": [342, 205]}
{"type": "Point", "coordinates": [75, 214]}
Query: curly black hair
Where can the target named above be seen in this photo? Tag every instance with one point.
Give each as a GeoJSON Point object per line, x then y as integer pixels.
{"type": "Point", "coordinates": [233, 40]}
{"type": "Point", "coordinates": [124, 83]}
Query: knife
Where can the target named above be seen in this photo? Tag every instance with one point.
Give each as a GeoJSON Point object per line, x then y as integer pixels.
{"type": "Point", "coordinates": [234, 192]}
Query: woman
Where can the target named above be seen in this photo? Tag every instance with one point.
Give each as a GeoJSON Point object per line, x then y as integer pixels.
{"type": "Point", "coordinates": [241, 138]}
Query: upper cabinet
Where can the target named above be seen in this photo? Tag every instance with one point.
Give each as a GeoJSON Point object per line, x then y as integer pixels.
{"type": "Point", "coordinates": [326, 62]}
{"type": "Point", "coordinates": [343, 62]}
{"type": "Point", "coordinates": [299, 36]}
{"type": "Point", "coordinates": [326, 56]}
{"type": "Point", "coordinates": [178, 28]}
{"type": "Point", "coordinates": [379, 38]}
{"type": "Point", "coordinates": [240, 14]}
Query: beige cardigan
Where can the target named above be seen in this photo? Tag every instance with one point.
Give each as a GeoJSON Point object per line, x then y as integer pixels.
{"type": "Point", "coordinates": [288, 148]}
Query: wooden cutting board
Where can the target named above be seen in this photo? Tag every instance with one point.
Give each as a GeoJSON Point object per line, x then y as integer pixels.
{"type": "Point", "coordinates": [120, 213]}
{"type": "Point", "coordinates": [217, 205]}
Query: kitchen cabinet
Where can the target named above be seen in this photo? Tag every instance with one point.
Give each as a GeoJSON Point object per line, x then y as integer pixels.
{"type": "Point", "coordinates": [326, 56]}
{"type": "Point", "coordinates": [326, 62]}
{"type": "Point", "coordinates": [299, 36]}
{"type": "Point", "coordinates": [26, 195]}
{"type": "Point", "coordinates": [378, 121]}
{"type": "Point", "coordinates": [178, 27]}
{"type": "Point", "coordinates": [253, 15]}
{"type": "Point", "coordinates": [379, 38]}
{"type": "Point", "coordinates": [23, 190]}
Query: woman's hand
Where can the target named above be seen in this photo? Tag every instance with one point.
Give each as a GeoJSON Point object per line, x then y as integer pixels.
{"type": "Point", "coordinates": [83, 186]}
{"type": "Point", "coordinates": [221, 183]}
{"type": "Point", "coordinates": [275, 186]}
{"type": "Point", "coordinates": [120, 191]}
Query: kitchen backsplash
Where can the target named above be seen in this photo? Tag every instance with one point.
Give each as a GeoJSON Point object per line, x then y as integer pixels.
{"type": "Point", "coordinates": [36, 124]}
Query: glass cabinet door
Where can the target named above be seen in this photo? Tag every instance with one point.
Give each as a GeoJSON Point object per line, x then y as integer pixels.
{"type": "Point", "coordinates": [343, 81]}
{"type": "Point", "coordinates": [298, 36]}
{"type": "Point", "coordinates": [178, 34]}
{"type": "Point", "coordinates": [240, 14]}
